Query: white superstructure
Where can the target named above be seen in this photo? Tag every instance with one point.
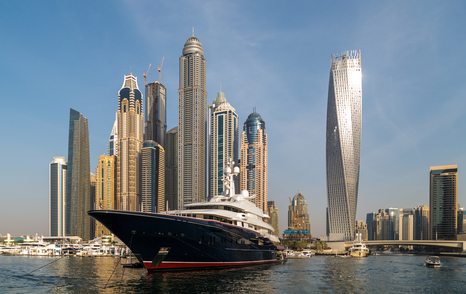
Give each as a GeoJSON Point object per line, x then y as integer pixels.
{"type": "Point", "coordinates": [231, 208]}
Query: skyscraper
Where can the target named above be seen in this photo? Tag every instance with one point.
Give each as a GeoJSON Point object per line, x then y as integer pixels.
{"type": "Point", "coordinates": [223, 141]}
{"type": "Point", "coordinates": [443, 202]}
{"type": "Point", "coordinates": [254, 156]}
{"type": "Point", "coordinates": [461, 221]}
{"type": "Point", "coordinates": [192, 124]}
{"type": "Point", "coordinates": [371, 226]}
{"type": "Point", "coordinates": [78, 200]}
{"type": "Point", "coordinates": [130, 120]}
{"type": "Point", "coordinates": [273, 216]}
{"type": "Point", "coordinates": [421, 223]}
{"type": "Point", "coordinates": [406, 224]}
{"type": "Point", "coordinates": [105, 188]}
{"type": "Point", "coordinates": [298, 216]}
{"type": "Point", "coordinates": [171, 168]}
{"type": "Point", "coordinates": [57, 196]}
{"type": "Point", "coordinates": [156, 113]}
{"type": "Point", "coordinates": [92, 200]}
{"type": "Point", "coordinates": [343, 144]}
{"type": "Point", "coordinates": [113, 139]}
{"type": "Point", "coordinates": [152, 177]}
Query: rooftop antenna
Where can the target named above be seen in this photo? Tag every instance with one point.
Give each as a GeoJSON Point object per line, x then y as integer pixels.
{"type": "Point", "coordinates": [146, 73]}
{"type": "Point", "coordinates": [159, 69]}
{"type": "Point", "coordinates": [193, 32]}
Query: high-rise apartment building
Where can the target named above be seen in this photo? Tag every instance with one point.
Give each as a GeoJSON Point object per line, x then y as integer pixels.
{"type": "Point", "coordinates": [171, 168]}
{"type": "Point", "coordinates": [384, 224]}
{"type": "Point", "coordinates": [361, 228]}
{"type": "Point", "coordinates": [113, 139]}
{"type": "Point", "coordinates": [298, 216]}
{"type": "Point", "coordinates": [152, 177]}
{"type": "Point", "coordinates": [192, 124]}
{"type": "Point", "coordinates": [421, 223]}
{"type": "Point", "coordinates": [223, 141]}
{"type": "Point", "coordinates": [406, 224]}
{"type": "Point", "coordinates": [371, 226]}
{"type": "Point", "coordinates": [343, 144]}
{"type": "Point", "coordinates": [130, 120]}
{"type": "Point", "coordinates": [254, 160]}
{"type": "Point", "coordinates": [156, 113]}
{"type": "Point", "coordinates": [443, 202]}
{"type": "Point", "coordinates": [57, 198]}
{"type": "Point", "coordinates": [273, 216]}
{"type": "Point", "coordinates": [105, 176]}
{"type": "Point", "coordinates": [78, 199]}
{"type": "Point", "coordinates": [461, 221]}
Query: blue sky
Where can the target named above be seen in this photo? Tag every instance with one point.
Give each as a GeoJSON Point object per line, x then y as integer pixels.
{"type": "Point", "coordinates": [273, 56]}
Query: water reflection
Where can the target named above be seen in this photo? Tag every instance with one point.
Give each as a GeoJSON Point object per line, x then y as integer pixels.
{"type": "Point", "coordinates": [387, 274]}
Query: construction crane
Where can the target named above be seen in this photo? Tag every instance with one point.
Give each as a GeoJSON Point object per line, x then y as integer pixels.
{"type": "Point", "coordinates": [146, 73]}
{"type": "Point", "coordinates": [159, 69]}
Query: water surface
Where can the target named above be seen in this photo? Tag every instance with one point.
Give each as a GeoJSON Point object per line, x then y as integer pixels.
{"type": "Point", "coordinates": [319, 274]}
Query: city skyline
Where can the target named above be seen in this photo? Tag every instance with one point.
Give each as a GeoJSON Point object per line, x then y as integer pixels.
{"type": "Point", "coordinates": [410, 107]}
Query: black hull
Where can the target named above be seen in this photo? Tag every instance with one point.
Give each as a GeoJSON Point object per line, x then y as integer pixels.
{"type": "Point", "coordinates": [168, 242]}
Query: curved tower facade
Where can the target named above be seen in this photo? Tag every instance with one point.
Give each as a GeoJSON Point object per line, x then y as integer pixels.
{"type": "Point", "coordinates": [78, 194]}
{"type": "Point", "coordinates": [192, 124]}
{"type": "Point", "coordinates": [344, 110]}
{"type": "Point", "coordinates": [130, 120]}
{"type": "Point", "coordinates": [254, 156]}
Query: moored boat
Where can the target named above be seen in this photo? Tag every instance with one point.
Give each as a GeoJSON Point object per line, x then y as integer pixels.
{"type": "Point", "coordinates": [433, 261]}
{"type": "Point", "coordinates": [227, 231]}
{"type": "Point", "coordinates": [358, 249]}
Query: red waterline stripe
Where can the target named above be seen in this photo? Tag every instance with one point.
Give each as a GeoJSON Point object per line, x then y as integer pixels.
{"type": "Point", "coordinates": [184, 265]}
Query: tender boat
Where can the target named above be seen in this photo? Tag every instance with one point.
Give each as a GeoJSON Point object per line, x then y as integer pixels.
{"type": "Point", "coordinates": [433, 261]}
{"type": "Point", "coordinates": [358, 249]}
{"type": "Point", "coordinates": [227, 231]}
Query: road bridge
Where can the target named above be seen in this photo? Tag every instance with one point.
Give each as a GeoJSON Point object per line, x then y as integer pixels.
{"type": "Point", "coordinates": [460, 245]}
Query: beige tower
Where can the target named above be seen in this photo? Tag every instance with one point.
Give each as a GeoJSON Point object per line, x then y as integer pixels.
{"type": "Point", "coordinates": [192, 123]}
{"type": "Point", "coordinates": [130, 120]}
{"type": "Point", "coordinates": [298, 216]}
{"type": "Point", "coordinates": [105, 189]}
{"type": "Point", "coordinates": [253, 163]}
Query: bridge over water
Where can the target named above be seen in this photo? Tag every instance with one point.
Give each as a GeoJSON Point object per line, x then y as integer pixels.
{"type": "Point", "coordinates": [460, 245]}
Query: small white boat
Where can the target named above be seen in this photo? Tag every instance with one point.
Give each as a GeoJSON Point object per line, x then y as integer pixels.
{"type": "Point", "coordinates": [433, 261]}
{"type": "Point", "coordinates": [358, 249]}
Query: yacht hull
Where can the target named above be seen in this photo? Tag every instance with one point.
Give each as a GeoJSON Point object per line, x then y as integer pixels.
{"type": "Point", "coordinates": [165, 242]}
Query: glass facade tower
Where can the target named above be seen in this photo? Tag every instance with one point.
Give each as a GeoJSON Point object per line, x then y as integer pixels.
{"type": "Point", "coordinates": [156, 113]}
{"type": "Point", "coordinates": [223, 141]}
{"type": "Point", "coordinates": [443, 202]}
{"type": "Point", "coordinates": [57, 196]}
{"type": "Point", "coordinates": [343, 144]}
{"type": "Point", "coordinates": [78, 194]}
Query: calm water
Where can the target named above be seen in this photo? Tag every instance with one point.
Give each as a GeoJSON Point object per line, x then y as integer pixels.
{"type": "Point", "coordinates": [381, 274]}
